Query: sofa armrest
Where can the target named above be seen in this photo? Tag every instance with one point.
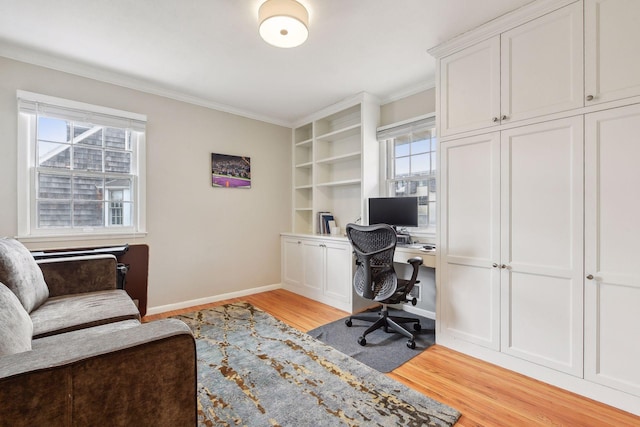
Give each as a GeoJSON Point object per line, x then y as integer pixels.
{"type": "Point", "coordinates": [79, 274]}
{"type": "Point", "coordinates": [125, 377]}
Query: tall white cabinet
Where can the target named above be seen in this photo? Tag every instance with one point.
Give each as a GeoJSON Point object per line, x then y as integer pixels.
{"type": "Point", "coordinates": [335, 169]}
{"type": "Point", "coordinates": [612, 288]}
{"type": "Point", "coordinates": [539, 113]}
{"type": "Point", "coordinates": [514, 75]}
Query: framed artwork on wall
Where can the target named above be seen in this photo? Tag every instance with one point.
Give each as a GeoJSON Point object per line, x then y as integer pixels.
{"type": "Point", "coordinates": [230, 171]}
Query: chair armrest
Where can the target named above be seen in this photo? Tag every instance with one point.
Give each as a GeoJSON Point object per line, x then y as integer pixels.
{"type": "Point", "coordinates": [78, 274]}
{"type": "Point", "coordinates": [147, 372]}
{"type": "Point", "coordinates": [415, 262]}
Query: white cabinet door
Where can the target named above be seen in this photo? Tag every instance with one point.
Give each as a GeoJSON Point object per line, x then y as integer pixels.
{"type": "Point", "coordinates": [313, 265]}
{"type": "Point", "coordinates": [541, 65]}
{"type": "Point", "coordinates": [470, 88]}
{"type": "Point", "coordinates": [469, 279]}
{"type": "Point", "coordinates": [612, 59]}
{"type": "Point", "coordinates": [292, 261]}
{"type": "Point", "coordinates": [338, 271]}
{"type": "Point", "coordinates": [612, 234]}
{"type": "Point", "coordinates": [542, 241]}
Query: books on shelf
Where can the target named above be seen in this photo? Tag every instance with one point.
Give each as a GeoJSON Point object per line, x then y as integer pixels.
{"type": "Point", "coordinates": [324, 222]}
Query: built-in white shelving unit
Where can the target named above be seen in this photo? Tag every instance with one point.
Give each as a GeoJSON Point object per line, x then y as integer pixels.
{"type": "Point", "coordinates": [335, 163]}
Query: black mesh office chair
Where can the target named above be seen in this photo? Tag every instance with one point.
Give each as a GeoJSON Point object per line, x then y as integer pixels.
{"type": "Point", "coordinates": [376, 279]}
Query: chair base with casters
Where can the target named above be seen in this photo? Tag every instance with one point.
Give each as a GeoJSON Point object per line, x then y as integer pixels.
{"type": "Point", "coordinates": [382, 319]}
{"type": "Point", "coordinates": [375, 279]}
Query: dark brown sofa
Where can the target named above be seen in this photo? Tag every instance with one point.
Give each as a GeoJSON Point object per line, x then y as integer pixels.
{"type": "Point", "coordinates": [74, 353]}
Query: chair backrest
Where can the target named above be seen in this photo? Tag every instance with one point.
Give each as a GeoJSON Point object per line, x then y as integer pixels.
{"type": "Point", "coordinates": [374, 247]}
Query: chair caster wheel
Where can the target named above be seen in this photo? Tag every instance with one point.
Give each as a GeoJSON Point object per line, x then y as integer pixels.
{"type": "Point", "coordinates": [417, 327]}
{"type": "Point", "coordinates": [348, 322]}
{"type": "Point", "coordinates": [411, 344]}
{"type": "Point", "coordinates": [363, 341]}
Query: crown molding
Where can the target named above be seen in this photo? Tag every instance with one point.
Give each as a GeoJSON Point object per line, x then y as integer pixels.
{"type": "Point", "coordinates": [340, 105]}
{"type": "Point", "coordinates": [427, 85]}
{"type": "Point", "coordinates": [46, 60]}
{"type": "Point", "coordinates": [498, 25]}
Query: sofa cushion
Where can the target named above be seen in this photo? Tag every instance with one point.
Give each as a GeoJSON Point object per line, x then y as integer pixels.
{"type": "Point", "coordinates": [16, 327]}
{"type": "Point", "coordinates": [20, 273]}
{"type": "Point", "coordinates": [81, 334]}
{"type": "Point", "coordinates": [67, 313]}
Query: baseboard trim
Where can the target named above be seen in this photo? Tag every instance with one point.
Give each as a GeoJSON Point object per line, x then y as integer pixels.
{"type": "Point", "coordinates": [208, 300]}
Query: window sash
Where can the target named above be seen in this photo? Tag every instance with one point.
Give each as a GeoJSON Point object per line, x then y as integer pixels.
{"type": "Point", "coordinates": [411, 177]}
{"type": "Point", "coordinates": [30, 106]}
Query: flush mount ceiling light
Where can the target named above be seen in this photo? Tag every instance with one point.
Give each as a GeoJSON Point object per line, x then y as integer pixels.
{"type": "Point", "coordinates": [283, 23]}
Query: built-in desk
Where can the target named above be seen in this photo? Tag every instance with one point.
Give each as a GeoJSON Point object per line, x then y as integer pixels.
{"type": "Point", "coordinates": [321, 267]}
{"type": "Point", "coordinates": [403, 253]}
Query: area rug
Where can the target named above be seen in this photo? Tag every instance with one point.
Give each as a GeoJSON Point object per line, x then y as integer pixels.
{"type": "Point", "coordinates": [384, 351]}
{"type": "Point", "coordinates": [254, 370]}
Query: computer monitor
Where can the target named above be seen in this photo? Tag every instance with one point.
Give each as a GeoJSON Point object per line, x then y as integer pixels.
{"type": "Point", "coordinates": [395, 211]}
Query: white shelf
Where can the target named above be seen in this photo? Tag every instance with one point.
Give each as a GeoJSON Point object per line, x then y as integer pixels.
{"type": "Point", "coordinates": [335, 162]}
{"type": "Point", "coordinates": [339, 183]}
{"type": "Point", "coordinates": [340, 133]}
{"type": "Point", "coordinates": [340, 159]}
{"type": "Point", "coordinates": [306, 143]}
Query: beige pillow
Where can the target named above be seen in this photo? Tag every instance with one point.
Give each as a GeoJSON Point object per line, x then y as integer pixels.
{"type": "Point", "coordinates": [16, 328]}
{"type": "Point", "coordinates": [20, 273]}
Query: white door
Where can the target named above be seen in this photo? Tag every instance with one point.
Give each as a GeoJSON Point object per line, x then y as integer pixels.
{"type": "Point", "coordinates": [612, 255]}
{"type": "Point", "coordinates": [541, 65]}
{"type": "Point", "coordinates": [468, 274]}
{"type": "Point", "coordinates": [313, 267]}
{"type": "Point", "coordinates": [292, 261]}
{"type": "Point", "coordinates": [612, 60]}
{"type": "Point", "coordinates": [338, 271]}
{"type": "Point", "coordinates": [542, 243]}
{"type": "Point", "coordinates": [470, 88]}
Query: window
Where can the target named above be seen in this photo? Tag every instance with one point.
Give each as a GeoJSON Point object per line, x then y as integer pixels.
{"type": "Point", "coordinates": [411, 165]}
{"type": "Point", "coordinates": [83, 168]}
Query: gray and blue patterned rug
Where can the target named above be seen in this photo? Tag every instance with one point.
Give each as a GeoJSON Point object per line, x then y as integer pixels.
{"type": "Point", "coordinates": [254, 370]}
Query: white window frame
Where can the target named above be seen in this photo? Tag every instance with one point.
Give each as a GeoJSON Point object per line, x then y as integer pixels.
{"type": "Point", "coordinates": [29, 104]}
{"type": "Point", "coordinates": [385, 136]}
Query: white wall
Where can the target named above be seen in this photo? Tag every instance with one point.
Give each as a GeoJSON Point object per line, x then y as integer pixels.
{"type": "Point", "coordinates": [407, 108]}
{"type": "Point", "coordinates": [203, 241]}
{"type": "Point", "coordinates": [397, 111]}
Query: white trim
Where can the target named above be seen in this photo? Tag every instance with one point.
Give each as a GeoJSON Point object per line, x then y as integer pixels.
{"type": "Point", "coordinates": [498, 25]}
{"type": "Point", "coordinates": [408, 121]}
{"type": "Point", "coordinates": [428, 85]}
{"type": "Point", "coordinates": [208, 300]}
{"type": "Point", "coordinates": [77, 105]}
{"type": "Point", "coordinates": [334, 108]}
{"type": "Point", "coordinates": [120, 235]}
{"type": "Point", "coordinates": [44, 59]}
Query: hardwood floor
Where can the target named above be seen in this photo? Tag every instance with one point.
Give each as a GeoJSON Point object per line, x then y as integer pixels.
{"type": "Point", "coordinates": [485, 394]}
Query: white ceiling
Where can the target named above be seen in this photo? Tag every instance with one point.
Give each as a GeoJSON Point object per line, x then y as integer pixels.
{"type": "Point", "coordinates": [209, 52]}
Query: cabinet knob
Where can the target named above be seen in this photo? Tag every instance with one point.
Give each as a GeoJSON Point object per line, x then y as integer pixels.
{"type": "Point", "coordinates": [504, 117]}
{"type": "Point", "coordinates": [590, 277]}
{"type": "Point", "coordinates": [504, 266]}
{"type": "Point", "coordinates": [590, 97]}
{"type": "Point", "coordinates": [494, 265]}
{"type": "Point", "coordinates": [495, 120]}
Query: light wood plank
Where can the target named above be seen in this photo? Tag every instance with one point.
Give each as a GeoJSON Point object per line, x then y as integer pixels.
{"type": "Point", "coordinates": [487, 395]}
